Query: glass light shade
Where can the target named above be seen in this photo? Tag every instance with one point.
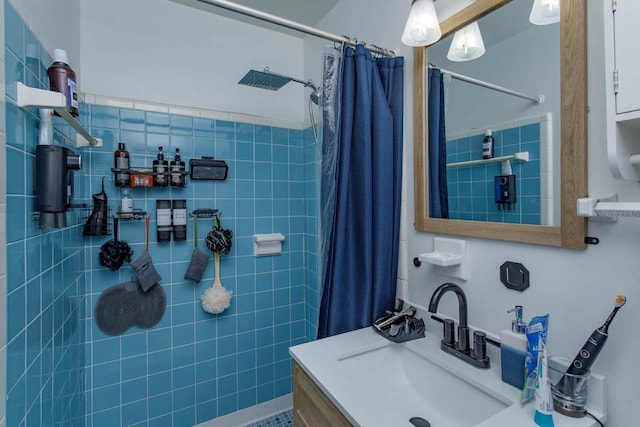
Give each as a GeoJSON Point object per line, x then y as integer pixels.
{"type": "Point", "coordinates": [422, 28]}
{"type": "Point", "coordinates": [545, 12]}
{"type": "Point", "coordinates": [467, 44]}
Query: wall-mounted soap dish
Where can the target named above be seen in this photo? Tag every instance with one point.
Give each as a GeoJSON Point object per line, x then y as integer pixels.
{"type": "Point", "coordinates": [449, 257]}
{"type": "Point", "coordinates": [441, 259]}
{"type": "Point", "coordinates": [267, 244]}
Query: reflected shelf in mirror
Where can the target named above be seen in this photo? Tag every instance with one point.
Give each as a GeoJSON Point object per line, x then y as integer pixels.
{"type": "Point", "coordinates": [518, 157]}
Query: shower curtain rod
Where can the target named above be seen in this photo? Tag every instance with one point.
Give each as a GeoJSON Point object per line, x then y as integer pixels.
{"type": "Point", "coordinates": [254, 13]}
{"type": "Point", "coordinates": [537, 99]}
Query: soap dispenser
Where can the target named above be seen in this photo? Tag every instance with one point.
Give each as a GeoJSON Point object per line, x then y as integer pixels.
{"type": "Point", "coordinates": [177, 168]}
{"type": "Point", "coordinates": [160, 168]}
{"type": "Point", "coordinates": [513, 350]}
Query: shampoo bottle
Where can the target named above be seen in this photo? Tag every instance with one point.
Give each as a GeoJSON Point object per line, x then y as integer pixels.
{"type": "Point", "coordinates": [513, 350]}
{"type": "Point", "coordinates": [179, 220]}
{"type": "Point", "coordinates": [160, 169]}
{"type": "Point", "coordinates": [487, 145]}
{"type": "Point", "coordinates": [121, 160]}
{"type": "Point", "coordinates": [177, 168]}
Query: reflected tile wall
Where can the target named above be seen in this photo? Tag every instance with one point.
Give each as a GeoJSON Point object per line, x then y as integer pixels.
{"type": "Point", "coordinates": [471, 188]}
{"type": "Point", "coordinates": [45, 273]}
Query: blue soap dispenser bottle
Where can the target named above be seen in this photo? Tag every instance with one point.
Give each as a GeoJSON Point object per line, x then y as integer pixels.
{"type": "Point", "coordinates": [513, 350]}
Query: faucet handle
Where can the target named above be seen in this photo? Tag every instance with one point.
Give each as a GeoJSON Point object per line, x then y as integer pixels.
{"type": "Point", "coordinates": [479, 345]}
{"type": "Point", "coordinates": [449, 330]}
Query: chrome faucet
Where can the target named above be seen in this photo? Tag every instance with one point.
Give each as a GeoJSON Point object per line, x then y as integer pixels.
{"type": "Point", "coordinates": [460, 348]}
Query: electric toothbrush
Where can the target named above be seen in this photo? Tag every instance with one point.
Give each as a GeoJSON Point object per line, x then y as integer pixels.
{"type": "Point", "coordinates": [590, 350]}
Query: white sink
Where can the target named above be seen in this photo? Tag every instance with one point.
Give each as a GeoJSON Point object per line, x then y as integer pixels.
{"type": "Point", "coordinates": [416, 387]}
{"type": "Point", "coordinates": [377, 383]}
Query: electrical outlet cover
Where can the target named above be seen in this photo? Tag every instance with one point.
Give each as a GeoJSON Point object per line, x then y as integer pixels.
{"type": "Point", "coordinates": [514, 276]}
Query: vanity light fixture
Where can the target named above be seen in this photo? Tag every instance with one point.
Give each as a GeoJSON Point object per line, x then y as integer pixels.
{"type": "Point", "coordinates": [545, 12]}
{"type": "Point", "coordinates": [422, 28]}
{"type": "Point", "coordinates": [467, 44]}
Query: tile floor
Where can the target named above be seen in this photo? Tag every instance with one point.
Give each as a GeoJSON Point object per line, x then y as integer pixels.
{"type": "Point", "coordinates": [283, 419]}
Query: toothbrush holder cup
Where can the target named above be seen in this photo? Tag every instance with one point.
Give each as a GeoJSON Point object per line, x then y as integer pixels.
{"type": "Point", "coordinates": [570, 392]}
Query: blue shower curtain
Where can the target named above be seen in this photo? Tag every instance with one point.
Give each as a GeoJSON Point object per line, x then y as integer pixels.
{"type": "Point", "coordinates": [361, 244]}
{"type": "Point", "coordinates": [438, 193]}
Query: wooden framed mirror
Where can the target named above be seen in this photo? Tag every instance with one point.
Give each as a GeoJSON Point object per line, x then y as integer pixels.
{"type": "Point", "coordinates": [571, 231]}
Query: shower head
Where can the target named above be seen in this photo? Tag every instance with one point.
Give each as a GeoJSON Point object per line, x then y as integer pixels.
{"type": "Point", "coordinates": [273, 81]}
{"type": "Point", "coordinates": [315, 95]}
{"type": "Point", "coordinates": [264, 79]}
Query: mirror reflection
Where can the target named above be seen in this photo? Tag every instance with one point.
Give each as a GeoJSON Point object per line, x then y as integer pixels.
{"type": "Point", "coordinates": [511, 176]}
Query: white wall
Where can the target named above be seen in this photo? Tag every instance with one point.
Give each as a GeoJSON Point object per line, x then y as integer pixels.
{"type": "Point", "coordinates": [577, 288]}
{"type": "Point", "coordinates": [50, 21]}
{"type": "Point", "coordinates": [165, 52]}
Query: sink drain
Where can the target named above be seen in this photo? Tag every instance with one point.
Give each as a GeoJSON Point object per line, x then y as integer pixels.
{"type": "Point", "coordinates": [420, 422]}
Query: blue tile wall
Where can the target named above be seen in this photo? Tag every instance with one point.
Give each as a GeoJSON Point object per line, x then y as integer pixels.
{"type": "Point", "coordinates": [312, 291]}
{"type": "Point", "coordinates": [45, 277]}
{"type": "Point", "coordinates": [471, 188]}
{"type": "Point", "coordinates": [192, 366]}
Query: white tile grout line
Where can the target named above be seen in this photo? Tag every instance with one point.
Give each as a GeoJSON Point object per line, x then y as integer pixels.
{"type": "Point", "coordinates": [190, 111]}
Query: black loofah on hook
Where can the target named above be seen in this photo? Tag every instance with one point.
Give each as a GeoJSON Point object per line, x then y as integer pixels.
{"type": "Point", "coordinates": [219, 240]}
{"type": "Point", "coordinates": [115, 252]}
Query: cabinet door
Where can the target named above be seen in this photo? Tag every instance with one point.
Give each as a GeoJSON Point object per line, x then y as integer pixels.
{"type": "Point", "coordinates": [626, 19]}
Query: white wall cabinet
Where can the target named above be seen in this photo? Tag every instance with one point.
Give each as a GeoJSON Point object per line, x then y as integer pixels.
{"type": "Point", "coordinates": [622, 64]}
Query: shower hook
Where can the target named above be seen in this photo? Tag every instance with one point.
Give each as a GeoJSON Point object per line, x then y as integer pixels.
{"type": "Point", "coordinates": [382, 52]}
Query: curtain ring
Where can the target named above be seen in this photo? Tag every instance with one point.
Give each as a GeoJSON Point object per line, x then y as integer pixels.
{"type": "Point", "coordinates": [376, 51]}
{"type": "Point", "coordinates": [351, 41]}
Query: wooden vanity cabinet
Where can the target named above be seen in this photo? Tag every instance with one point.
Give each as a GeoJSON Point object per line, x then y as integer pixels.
{"type": "Point", "coordinates": [311, 407]}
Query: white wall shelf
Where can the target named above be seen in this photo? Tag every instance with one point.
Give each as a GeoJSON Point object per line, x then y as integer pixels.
{"type": "Point", "coordinates": [607, 208]}
{"type": "Point", "coordinates": [40, 98]}
{"type": "Point", "coordinates": [518, 157]}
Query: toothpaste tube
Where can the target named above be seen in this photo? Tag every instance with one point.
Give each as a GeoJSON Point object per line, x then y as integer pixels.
{"type": "Point", "coordinates": [544, 405]}
{"type": "Point", "coordinates": [536, 333]}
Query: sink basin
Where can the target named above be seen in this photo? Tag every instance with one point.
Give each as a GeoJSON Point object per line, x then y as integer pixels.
{"type": "Point", "coordinates": [417, 387]}
{"type": "Point", "coordinates": [376, 383]}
